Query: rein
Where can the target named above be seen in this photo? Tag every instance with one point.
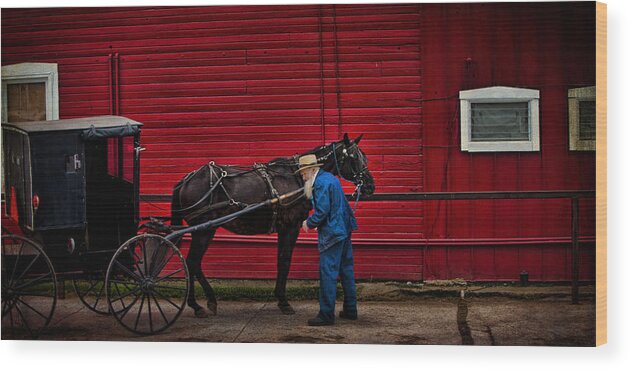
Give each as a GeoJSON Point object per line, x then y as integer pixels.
{"type": "Point", "coordinates": [357, 191]}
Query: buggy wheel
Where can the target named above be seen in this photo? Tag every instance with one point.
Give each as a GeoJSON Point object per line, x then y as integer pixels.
{"type": "Point", "coordinates": [29, 288]}
{"type": "Point", "coordinates": [147, 284]}
{"type": "Point", "coordinates": [91, 292]}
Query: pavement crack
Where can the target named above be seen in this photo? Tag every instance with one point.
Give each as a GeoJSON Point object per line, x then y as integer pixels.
{"type": "Point", "coordinates": [491, 336]}
{"type": "Point", "coordinates": [462, 324]}
{"type": "Point", "coordinates": [249, 321]}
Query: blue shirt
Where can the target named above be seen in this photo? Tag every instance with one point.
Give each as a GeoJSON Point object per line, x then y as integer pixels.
{"type": "Point", "coordinates": [333, 216]}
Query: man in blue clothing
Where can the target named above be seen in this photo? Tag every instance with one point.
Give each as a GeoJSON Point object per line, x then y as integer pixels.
{"type": "Point", "coordinates": [334, 220]}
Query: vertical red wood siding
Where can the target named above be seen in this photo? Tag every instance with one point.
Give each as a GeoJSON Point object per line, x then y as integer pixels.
{"type": "Point", "coordinates": [244, 84]}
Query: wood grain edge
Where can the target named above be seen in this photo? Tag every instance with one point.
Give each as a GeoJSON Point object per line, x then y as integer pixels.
{"type": "Point", "coordinates": [601, 323]}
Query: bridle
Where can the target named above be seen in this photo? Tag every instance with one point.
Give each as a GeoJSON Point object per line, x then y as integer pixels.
{"type": "Point", "coordinates": [358, 176]}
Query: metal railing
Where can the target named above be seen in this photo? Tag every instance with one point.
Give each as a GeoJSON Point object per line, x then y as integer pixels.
{"type": "Point", "coordinates": [575, 196]}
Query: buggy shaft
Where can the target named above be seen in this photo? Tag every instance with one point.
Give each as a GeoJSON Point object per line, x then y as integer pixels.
{"type": "Point", "coordinates": [225, 219]}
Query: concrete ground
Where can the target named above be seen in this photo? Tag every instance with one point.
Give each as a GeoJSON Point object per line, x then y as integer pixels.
{"type": "Point", "coordinates": [389, 314]}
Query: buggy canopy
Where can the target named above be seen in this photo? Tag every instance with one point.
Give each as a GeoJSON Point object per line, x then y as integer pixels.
{"type": "Point", "coordinates": [91, 127]}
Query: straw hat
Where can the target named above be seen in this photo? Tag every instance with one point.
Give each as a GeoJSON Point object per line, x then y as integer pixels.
{"type": "Point", "coordinates": [308, 161]}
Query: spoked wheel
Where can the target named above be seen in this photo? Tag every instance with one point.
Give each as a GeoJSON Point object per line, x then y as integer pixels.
{"type": "Point", "coordinates": [91, 292]}
{"type": "Point", "coordinates": [29, 288]}
{"type": "Point", "coordinates": [147, 284]}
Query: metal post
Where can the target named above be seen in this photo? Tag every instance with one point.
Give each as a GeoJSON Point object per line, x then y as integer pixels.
{"type": "Point", "coordinates": [575, 226]}
{"type": "Point", "coordinates": [61, 289]}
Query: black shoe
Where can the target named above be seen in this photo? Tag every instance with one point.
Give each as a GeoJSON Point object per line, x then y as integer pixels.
{"type": "Point", "coordinates": [346, 316]}
{"type": "Point", "coordinates": [318, 321]}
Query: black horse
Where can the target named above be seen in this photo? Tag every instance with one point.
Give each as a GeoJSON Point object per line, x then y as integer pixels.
{"type": "Point", "coordinates": [213, 191]}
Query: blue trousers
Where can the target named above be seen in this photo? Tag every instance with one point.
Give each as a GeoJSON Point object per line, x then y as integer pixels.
{"type": "Point", "coordinates": [335, 262]}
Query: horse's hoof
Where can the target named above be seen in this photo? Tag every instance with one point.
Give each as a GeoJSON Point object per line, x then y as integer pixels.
{"type": "Point", "coordinates": [200, 313]}
{"type": "Point", "coordinates": [213, 308]}
{"type": "Point", "coordinates": [286, 309]}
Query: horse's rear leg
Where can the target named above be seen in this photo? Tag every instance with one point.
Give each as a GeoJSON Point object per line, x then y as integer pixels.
{"type": "Point", "coordinates": [198, 247]}
{"type": "Point", "coordinates": [286, 243]}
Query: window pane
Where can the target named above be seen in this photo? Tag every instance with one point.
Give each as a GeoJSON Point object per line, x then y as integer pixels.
{"type": "Point", "coordinates": [26, 102]}
{"type": "Point", "coordinates": [587, 119]}
{"type": "Point", "coordinates": [500, 121]}
{"type": "Point", "coordinates": [120, 157]}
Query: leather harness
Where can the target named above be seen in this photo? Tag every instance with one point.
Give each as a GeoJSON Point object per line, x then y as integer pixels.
{"type": "Point", "coordinates": [261, 169]}
{"type": "Point", "coordinates": [217, 175]}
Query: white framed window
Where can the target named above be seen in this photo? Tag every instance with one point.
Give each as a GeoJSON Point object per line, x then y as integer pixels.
{"type": "Point", "coordinates": [582, 118]}
{"type": "Point", "coordinates": [30, 92]}
{"type": "Point", "coordinates": [499, 119]}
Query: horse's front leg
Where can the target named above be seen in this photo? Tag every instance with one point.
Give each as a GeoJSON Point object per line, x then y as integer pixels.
{"type": "Point", "coordinates": [286, 243]}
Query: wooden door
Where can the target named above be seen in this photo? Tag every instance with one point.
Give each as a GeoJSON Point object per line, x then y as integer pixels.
{"type": "Point", "coordinates": [26, 102]}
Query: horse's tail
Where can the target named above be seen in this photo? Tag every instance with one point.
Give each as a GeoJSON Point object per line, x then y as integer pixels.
{"type": "Point", "coordinates": [176, 206]}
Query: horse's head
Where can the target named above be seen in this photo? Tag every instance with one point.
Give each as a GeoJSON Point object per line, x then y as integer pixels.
{"type": "Point", "coordinates": [346, 159]}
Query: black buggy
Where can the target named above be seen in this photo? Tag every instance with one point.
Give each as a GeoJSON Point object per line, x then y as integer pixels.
{"type": "Point", "coordinates": [72, 186]}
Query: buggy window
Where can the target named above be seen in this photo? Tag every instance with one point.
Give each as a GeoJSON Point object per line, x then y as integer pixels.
{"type": "Point", "coordinates": [120, 157]}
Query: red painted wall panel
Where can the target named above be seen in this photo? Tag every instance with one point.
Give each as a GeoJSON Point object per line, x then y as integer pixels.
{"type": "Point", "coordinates": [244, 84]}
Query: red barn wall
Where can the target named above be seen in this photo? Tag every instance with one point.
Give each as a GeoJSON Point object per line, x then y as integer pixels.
{"type": "Point", "coordinates": [244, 84]}
{"type": "Point", "coordinates": [549, 47]}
